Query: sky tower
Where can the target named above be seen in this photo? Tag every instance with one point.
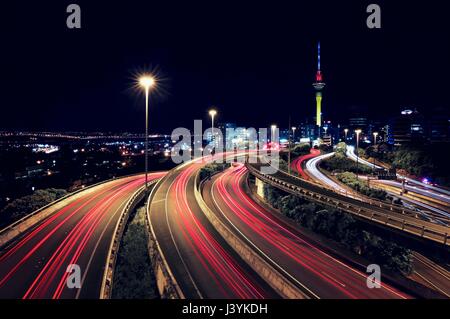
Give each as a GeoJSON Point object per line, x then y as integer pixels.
{"type": "Point", "coordinates": [318, 86]}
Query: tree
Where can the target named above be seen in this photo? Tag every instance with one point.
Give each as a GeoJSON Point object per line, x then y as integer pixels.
{"type": "Point", "coordinates": [341, 148]}
{"type": "Point", "coordinates": [301, 149]}
{"type": "Point", "coordinates": [351, 180]}
{"type": "Point", "coordinates": [25, 205]}
{"type": "Point", "coordinates": [342, 228]}
{"type": "Point", "coordinates": [133, 277]}
{"type": "Point", "coordinates": [340, 163]}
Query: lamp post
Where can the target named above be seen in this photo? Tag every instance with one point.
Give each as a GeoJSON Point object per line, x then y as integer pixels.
{"type": "Point", "coordinates": [273, 127]}
{"type": "Point", "coordinates": [290, 147]}
{"type": "Point", "coordinates": [357, 151]}
{"type": "Point", "coordinates": [147, 82]}
{"type": "Point", "coordinates": [345, 132]}
{"type": "Point", "coordinates": [212, 113]}
{"type": "Point", "coordinates": [375, 134]}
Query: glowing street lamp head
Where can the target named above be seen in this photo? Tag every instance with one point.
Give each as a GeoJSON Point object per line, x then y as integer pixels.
{"type": "Point", "coordinates": [294, 128]}
{"type": "Point", "coordinates": [273, 126]}
{"type": "Point", "coordinates": [358, 132]}
{"type": "Point", "coordinates": [212, 113]}
{"type": "Point", "coordinates": [346, 130]}
{"type": "Point", "coordinates": [375, 134]}
{"type": "Point", "coordinates": [147, 81]}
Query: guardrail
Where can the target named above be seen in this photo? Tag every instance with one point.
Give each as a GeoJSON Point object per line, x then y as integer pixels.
{"type": "Point", "coordinates": [15, 229]}
{"type": "Point", "coordinates": [111, 259]}
{"type": "Point", "coordinates": [353, 194]}
{"type": "Point", "coordinates": [166, 283]}
{"type": "Point", "coordinates": [385, 219]}
{"type": "Point", "coordinates": [276, 280]}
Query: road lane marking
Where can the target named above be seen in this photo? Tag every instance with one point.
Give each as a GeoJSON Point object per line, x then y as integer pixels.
{"type": "Point", "coordinates": [174, 242]}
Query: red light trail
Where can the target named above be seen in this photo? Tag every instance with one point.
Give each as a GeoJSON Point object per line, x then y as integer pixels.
{"type": "Point", "coordinates": [79, 233]}
{"type": "Point", "coordinates": [298, 162]}
{"type": "Point", "coordinates": [290, 250]}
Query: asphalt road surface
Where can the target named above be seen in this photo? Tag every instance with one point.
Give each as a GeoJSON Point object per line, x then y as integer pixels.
{"type": "Point", "coordinates": [286, 248]}
{"type": "Point", "coordinates": [34, 265]}
{"type": "Point", "coordinates": [204, 265]}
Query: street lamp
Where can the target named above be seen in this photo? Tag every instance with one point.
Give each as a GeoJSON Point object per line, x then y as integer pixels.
{"type": "Point", "coordinates": [346, 132]}
{"type": "Point", "coordinates": [146, 82]}
{"type": "Point", "coordinates": [273, 127]}
{"type": "Point", "coordinates": [357, 151]}
{"type": "Point", "coordinates": [375, 134]}
{"type": "Point", "coordinates": [212, 113]}
{"type": "Point", "coordinates": [290, 147]}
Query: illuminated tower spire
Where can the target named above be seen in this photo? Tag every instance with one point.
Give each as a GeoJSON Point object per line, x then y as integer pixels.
{"type": "Point", "coordinates": [318, 85]}
{"type": "Point", "coordinates": [318, 57]}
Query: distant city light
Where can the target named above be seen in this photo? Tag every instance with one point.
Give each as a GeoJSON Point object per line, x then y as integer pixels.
{"type": "Point", "coordinates": [407, 112]}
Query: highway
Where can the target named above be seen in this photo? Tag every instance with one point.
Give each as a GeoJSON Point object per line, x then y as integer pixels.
{"type": "Point", "coordinates": [431, 274]}
{"type": "Point", "coordinates": [297, 164]}
{"type": "Point", "coordinates": [312, 169]}
{"type": "Point", "coordinates": [34, 265]}
{"type": "Point", "coordinates": [202, 263]}
{"type": "Point", "coordinates": [427, 197]}
{"type": "Point", "coordinates": [294, 254]}
{"type": "Point", "coordinates": [420, 187]}
{"type": "Point", "coordinates": [423, 198]}
{"type": "Point", "coordinates": [380, 212]}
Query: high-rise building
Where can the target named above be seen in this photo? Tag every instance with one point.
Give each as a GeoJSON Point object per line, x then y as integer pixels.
{"type": "Point", "coordinates": [318, 86]}
{"type": "Point", "coordinates": [358, 122]}
{"type": "Point", "coordinates": [306, 130]}
{"type": "Point", "coordinates": [406, 128]}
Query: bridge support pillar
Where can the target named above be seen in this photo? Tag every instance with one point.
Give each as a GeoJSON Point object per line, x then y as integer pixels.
{"type": "Point", "coordinates": [259, 187]}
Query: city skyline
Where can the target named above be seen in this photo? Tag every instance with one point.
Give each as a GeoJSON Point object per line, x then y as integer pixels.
{"type": "Point", "coordinates": [173, 154]}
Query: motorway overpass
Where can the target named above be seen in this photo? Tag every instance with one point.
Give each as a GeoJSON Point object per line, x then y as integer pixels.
{"type": "Point", "coordinates": [388, 216]}
{"type": "Point", "coordinates": [435, 200]}
{"type": "Point", "coordinates": [295, 255]}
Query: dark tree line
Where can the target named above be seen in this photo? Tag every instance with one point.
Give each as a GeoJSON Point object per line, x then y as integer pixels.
{"type": "Point", "coordinates": [208, 170]}
{"type": "Point", "coordinates": [424, 160]}
{"type": "Point", "coordinates": [20, 207]}
{"type": "Point", "coordinates": [351, 180]}
{"type": "Point", "coordinates": [340, 163]}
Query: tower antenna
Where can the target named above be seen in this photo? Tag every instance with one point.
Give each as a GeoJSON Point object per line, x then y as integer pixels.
{"type": "Point", "coordinates": [318, 86]}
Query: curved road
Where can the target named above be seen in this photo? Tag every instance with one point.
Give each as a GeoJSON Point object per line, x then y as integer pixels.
{"type": "Point", "coordinates": [285, 247]}
{"type": "Point", "coordinates": [425, 271]}
{"type": "Point", "coordinates": [313, 170]}
{"type": "Point", "coordinates": [34, 265]}
{"type": "Point", "coordinates": [428, 197]}
{"type": "Point", "coordinates": [420, 188]}
{"type": "Point", "coordinates": [297, 164]}
{"type": "Point", "coordinates": [204, 265]}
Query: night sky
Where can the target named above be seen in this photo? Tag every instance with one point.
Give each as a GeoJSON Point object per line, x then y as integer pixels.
{"type": "Point", "coordinates": [254, 62]}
